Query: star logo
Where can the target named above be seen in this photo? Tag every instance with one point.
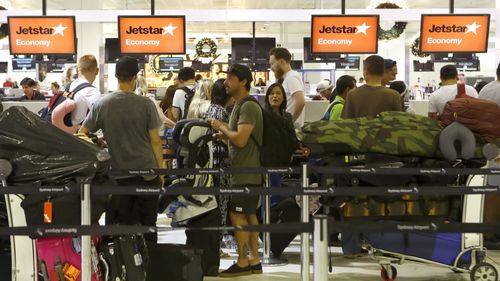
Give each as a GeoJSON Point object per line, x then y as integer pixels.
{"type": "Point", "coordinates": [472, 28]}
{"type": "Point", "coordinates": [362, 28]}
{"type": "Point", "coordinates": [169, 29]}
{"type": "Point", "coordinates": [59, 29]}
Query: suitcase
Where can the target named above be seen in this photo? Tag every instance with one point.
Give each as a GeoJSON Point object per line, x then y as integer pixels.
{"type": "Point", "coordinates": [124, 258]}
{"type": "Point", "coordinates": [174, 262]}
{"type": "Point", "coordinates": [207, 241]}
{"type": "Point", "coordinates": [286, 211]}
{"type": "Point", "coordinates": [61, 256]}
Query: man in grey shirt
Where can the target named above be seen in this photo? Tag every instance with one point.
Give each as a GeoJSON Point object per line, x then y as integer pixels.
{"type": "Point", "coordinates": [130, 125]}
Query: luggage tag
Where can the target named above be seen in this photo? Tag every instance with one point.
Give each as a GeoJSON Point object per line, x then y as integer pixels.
{"type": "Point", "coordinates": [47, 211]}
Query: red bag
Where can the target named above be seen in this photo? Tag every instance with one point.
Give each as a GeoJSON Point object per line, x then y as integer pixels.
{"type": "Point", "coordinates": [482, 117]}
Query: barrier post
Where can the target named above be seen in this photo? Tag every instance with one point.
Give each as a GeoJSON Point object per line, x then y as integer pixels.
{"type": "Point", "coordinates": [304, 237]}
{"type": "Point", "coordinates": [86, 253]}
{"type": "Point", "coordinates": [320, 248]}
{"type": "Point", "coordinates": [266, 214]}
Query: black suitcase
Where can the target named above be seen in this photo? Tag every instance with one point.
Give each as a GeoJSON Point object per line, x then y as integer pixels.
{"type": "Point", "coordinates": [174, 262]}
{"type": "Point", "coordinates": [285, 211]}
{"type": "Point", "coordinates": [207, 241]}
{"type": "Point", "coordinates": [125, 258]}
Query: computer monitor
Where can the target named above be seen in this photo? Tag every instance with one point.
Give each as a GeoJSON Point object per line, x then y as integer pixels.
{"type": "Point", "coordinates": [241, 49]}
{"type": "Point", "coordinates": [168, 64]}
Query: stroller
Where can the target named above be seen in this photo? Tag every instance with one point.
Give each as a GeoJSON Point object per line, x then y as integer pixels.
{"type": "Point", "coordinates": [459, 252]}
{"type": "Point", "coordinates": [194, 140]}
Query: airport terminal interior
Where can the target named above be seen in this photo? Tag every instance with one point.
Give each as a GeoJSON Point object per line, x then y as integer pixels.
{"type": "Point", "coordinates": [327, 40]}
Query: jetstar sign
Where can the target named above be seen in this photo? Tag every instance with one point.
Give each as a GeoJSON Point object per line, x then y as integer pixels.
{"type": "Point", "coordinates": [42, 35]}
{"type": "Point", "coordinates": [152, 35]}
{"type": "Point", "coordinates": [454, 33]}
{"type": "Point", "coordinates": [344, 34]}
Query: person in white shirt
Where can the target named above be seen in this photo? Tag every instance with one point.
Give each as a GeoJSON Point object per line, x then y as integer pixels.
{"type": "Point", "coordinates": [186, 78]}
{"type": "Point", "coordinates": [279, 59]}
{"type": "Point", "coordinates": [448, 90]}
{"type": "Point", "coordinates": [86, 97]}
{"type": "Point", "coordinates": [492, 90]}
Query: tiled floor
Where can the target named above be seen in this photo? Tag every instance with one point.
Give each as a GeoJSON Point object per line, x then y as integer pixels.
{"type": "Point", "coordinates": [360, 269]}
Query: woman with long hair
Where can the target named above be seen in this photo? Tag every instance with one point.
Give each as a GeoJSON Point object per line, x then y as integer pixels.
{"type": "Point", "coordinates": [201, 100]}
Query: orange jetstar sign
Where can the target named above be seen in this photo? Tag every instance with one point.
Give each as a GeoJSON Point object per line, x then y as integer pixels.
{"type": "Point", "coordinates": [454, 33]}
{"type": "Point", "coordinates": [42, 35]}
{"type": "Point", "coordinates": [344, 34]}
{"type": "Point", "coordinates": [152, 35]}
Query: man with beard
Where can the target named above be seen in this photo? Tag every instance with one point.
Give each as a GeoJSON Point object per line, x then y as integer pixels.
{"type": "Point", "coordinates": [279, 59]}
{"type": "Point", "coordinates": [243, 135]}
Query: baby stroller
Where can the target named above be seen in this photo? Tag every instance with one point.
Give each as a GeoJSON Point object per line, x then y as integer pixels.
{"type": "Point", "coordinates": [194, 140]}
{"type": "Point", "coordinates": [461, 252]}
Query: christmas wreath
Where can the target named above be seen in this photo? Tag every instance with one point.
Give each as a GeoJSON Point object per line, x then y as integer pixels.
{"type": "Point", "coordinates": [4, 29]}
{"type": "Point", "coordinates": [415, 49]}
{"type": "Point", "coordinates": [397, 29]}
{"type": "Point", "coordinates": [206, 48]}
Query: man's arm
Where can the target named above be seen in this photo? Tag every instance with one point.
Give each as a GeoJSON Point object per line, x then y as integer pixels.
{"type": "Point", "coordinates": [176, 114]}
{"type": "Point", "coordinates": [154, 139]}
{"type": "Point", "coordinates": [239, 138]}
{"type": "Point", "coordinates": [300, 103]}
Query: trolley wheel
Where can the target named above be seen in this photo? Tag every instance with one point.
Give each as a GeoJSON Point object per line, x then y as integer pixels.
{"type": "Point", "coordinates": [385, 275]}
{"type": "Point", "coordinates": [484, 272]}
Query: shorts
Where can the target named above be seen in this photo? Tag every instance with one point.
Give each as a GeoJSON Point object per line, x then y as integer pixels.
{"type": "Point", "coordinates": [244, 204]}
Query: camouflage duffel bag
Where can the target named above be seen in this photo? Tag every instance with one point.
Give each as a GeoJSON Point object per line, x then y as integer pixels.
{"type": "Point", "coordinates": [393, 133]}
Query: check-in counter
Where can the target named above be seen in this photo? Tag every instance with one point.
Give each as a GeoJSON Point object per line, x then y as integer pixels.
{"type": "Point", "coordinates": [315, 109]}
{"type": "Point", "coordinates": [419, 107]}
{"type": "Point", "coordinates": [33, 106]}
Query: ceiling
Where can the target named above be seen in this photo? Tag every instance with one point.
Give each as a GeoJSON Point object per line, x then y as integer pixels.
{"type": "Point", "coordinates": [232, 4]}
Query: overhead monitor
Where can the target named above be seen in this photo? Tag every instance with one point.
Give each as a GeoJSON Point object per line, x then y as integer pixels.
{"type": "Point", "coordinates": [167, 64]}
{"type": "Point", "coordinates": [42, 35]}
{"type": "Point", "coordinates": [470, 65]}
{"type": "Point", "coordinates": [152, 34]}
{"type": "Point", "coordinates": [311, 58]}
{"type": "Point", "coordinates": [112, 51]}
{"type": "Point", "coordinates": [465, 33]}
{"type": "Point", "coordinates": [344, 34]}
{"type": "Point", "coordinates": [23, 64]}
{"type": "Point", "coordinates": [423, 66]}
{"type": "Point", "coordinates": [241, 49]}
{"type": "Point", "coordinates": [348, 63]}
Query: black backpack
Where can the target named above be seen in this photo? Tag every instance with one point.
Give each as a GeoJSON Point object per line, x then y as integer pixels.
{"type": "Point", "coordinates": [189, 97]}
{"type": "Point", "coordinates": [57, 99]}
{"type": "Point", "coordinates": [279, 141]}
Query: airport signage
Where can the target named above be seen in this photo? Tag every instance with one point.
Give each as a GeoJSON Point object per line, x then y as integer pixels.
{"type": "Point", "coordinates": [152, 34]}
{"type": "Point", "coordinates": [454, 33]}
{"type": "Point", "coordinates": [42, 35]}
{"type": "Point", "coordinates": [344, 34]}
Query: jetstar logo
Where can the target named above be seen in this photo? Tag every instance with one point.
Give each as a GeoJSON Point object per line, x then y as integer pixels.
{"type": "Point", "coordinates": [454, 33]}
{"type": "Point", "coordinates": [152, 30]}
{"type": "Point", "coordinates": [152, 35]}
{"type": "Point", "coordinates": [455, 28]}
{"type": "Point", "coordinates": [344, 34]}
{"type": "Point", "coordinates": [38, 35]}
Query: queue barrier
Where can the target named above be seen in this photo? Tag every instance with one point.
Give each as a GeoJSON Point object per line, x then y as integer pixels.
{"type": "Point", "coordinates": [318, 228]}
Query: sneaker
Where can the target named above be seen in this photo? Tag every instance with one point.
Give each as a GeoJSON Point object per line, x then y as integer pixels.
{"type": "Point", "coordinates": [235, 271]}
{"type": "Point", "coordinates": [256, 268]}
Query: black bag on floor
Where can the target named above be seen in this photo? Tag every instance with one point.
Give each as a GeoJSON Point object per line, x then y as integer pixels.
{"type": "Point", "coordinates": [207, 241]}
{"type": "Point", "coordinates": [125, 258]}
{"type": "Point", "coordinates": [174, 262]}
{"type": "Point", "coordinates": [286, 211]}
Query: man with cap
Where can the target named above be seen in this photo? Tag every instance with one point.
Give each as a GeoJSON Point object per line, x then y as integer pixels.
{"type": "Point", "coordinates": [130, 125]}
{"type": "Point", "coordinates": [243, 135]}
{"type": "Point", "coordinates": [492, 90]}
{"type": "Point", "coordinates": [324, 89]}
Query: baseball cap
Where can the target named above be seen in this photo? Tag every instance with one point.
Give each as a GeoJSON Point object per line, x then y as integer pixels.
{"type": "Point", "coordinates": [241, 71]}
{"type": "Point", "coordinates": [126, 67]}
{"type": "Point", "coordinates": [323, 85]}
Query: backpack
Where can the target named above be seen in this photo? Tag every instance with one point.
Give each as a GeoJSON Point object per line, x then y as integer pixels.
{"type": "Point", "coordinates": [326, 117]}
{"type": "Point", "coordinates": [189, 97]}
{"type": "Point", "coordinates": [57, 99]}
{"type": "Point", "coordinates": [480, 116]}
{"type": "Point", "coordinates": [279, 141]}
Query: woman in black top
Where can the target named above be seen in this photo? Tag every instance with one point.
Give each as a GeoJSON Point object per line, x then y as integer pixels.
{"type": "Point", "coordinates": [30, 93]}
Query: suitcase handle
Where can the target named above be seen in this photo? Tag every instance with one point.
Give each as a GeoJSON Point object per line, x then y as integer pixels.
{"type": "Point", "coordinates": [106, 266]}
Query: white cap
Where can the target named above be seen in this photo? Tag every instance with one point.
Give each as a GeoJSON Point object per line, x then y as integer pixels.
{"type": "Point", "coordinates": [323, 85]}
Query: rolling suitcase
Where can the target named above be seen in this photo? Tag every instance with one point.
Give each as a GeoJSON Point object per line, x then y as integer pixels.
{"type": "Point", "coordinates": [174, 262]}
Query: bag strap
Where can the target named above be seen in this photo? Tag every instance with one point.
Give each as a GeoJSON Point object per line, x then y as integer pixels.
{"type": "Point", "coordinates": [460, 91]}
{"type": "Point", "coordinates": [82, 86]}
{"type": "Point", "coordinates": [243, 101]}
{"type": "Point", "coordinates": [330, 107]}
